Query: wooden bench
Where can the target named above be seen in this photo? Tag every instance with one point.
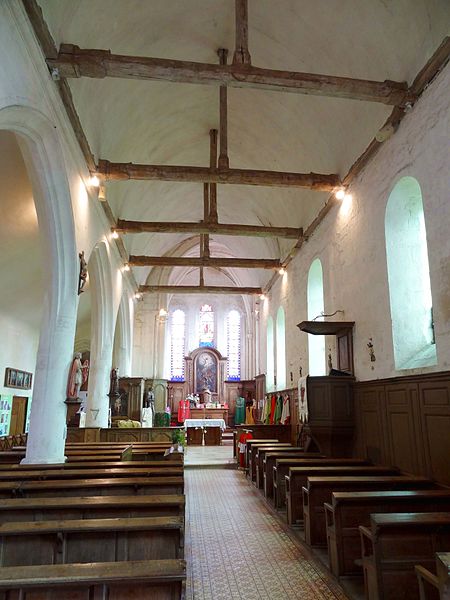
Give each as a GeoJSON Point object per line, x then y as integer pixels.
{"type": "Point", "coordinates": [319, 490]}
{"type": "Point", "coordinates": [152, 454]}
{"type": "Point", "coordinates": [440, 581]}
{"type": "Point", "coordinates": [251, 473]}
{"type": "Point", "coordinates": [118, 486]}
{"type": "Point", "coordinates": [91, 507]}
{"type": "Point", "coordinates": [282, 466]}
{"type": "Point", "coordinates": [120, 464]}
{"type": "Point", "coordinates": [251, 456]}
{"type": "Point", "coordinates": [249, 444]}
{"type": "Point", "coordinates": [296, 481]}
{"type": "Point", "coordinates": [68, 473]}
{"type": "Point", "coordinates": [261, 458]}
{"type": "Point", "coordinates": [270, 459]}
{"type": "Point", "coordinates": [394, 544]}
{"type": "Point", "coordinates": [132, 580]}
{"type": "Point", "coordinates": [348, 510]}
{"type": "Point", "coordinates": [90, 540]}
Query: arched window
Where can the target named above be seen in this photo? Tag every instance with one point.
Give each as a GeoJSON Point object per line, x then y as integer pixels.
{"type": "Point", "coordinates": [316, 343]}
{"type": "Point", "coordinates": [409, 277]}
{"type": "Point", "coordinates": [177, 340]}
{"type": "Point", "coordinates": [234, 345]}
{"type": "Point", "coordinates": [206, 331]}
{"type": "Point", "coordinates": [270, 383]}
{"type": "Point", "coordinates": [281, 349]}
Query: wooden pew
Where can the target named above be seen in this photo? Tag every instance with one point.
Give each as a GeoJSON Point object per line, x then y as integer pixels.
{"type": "Point", "coordinates": [90, 540]}
{"type": "Point", "coordinates": [68, 473]}
{"type": "Point", "coordinates": [113, 453]}
{"type": "Point", "coordinates": [261, 458]}
{"type": "Point", "coordinates": [282, 466]}
{"type": "Point", "coordinates": [319, 489]}
{"type": "Point", "coordinates": [250, 444]}
{"type": "Point", "coordinates": [440, 581]}
{"type": "Point", "coordinates": [251, 472]}
{"type": "Point", "coordinates": [120, 464]}
{"type": "Point", "coordinates": [394, 544]}
{"type": "Point", "coordinates": [91, 507]}
{"type": "Point", "coordinates": [118, 486]}
{"type": "Point", "coordinates": [348, 510]}
{"type": "Point", "coordinates": [270, 459]}
{"type": "Point", "coordinates": [131, 580]}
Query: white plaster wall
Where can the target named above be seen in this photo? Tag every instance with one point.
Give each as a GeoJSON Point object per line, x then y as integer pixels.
{"type": "Point", "coordinates": [350, 243]}
{"type": "Point", "coordinates": [25, 83]}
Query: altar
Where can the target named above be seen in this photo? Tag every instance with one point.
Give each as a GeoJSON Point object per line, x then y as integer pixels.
{"type": "Point", "coordinates": [206, 432]}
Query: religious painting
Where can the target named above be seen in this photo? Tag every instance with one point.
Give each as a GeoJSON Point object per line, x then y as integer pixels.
{"type": "Point", "coordinates": [206, 372]}
{"type": "Point", "coordinates": [18, 379]}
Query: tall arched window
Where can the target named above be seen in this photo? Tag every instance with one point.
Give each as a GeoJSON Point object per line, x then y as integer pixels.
{"type": "Point", "coordinates": [234, 345]}
{"type": "Point", "coordinates": [270, 383]}
{"type": "Point", "coordinates": [281, 349]}
{"type": "Point", "coordinates": [177, 341]}
{"type": "Point", "coordinates": [409, 277]}
{"type": "Point", "coordinates": [316, 343]}
{"type": "Point", "coordinates": [206, 332]}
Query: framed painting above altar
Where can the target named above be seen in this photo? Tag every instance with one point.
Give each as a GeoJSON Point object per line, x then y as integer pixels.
{"type": "Point", "coordinates": [205, 372]}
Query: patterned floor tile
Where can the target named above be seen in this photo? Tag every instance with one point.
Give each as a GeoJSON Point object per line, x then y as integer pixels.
{"type": "Point", "coordinates": [237, 549]}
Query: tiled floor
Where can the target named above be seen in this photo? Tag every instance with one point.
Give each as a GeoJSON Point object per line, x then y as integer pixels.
{"type": "Point", "coordinates": [208, 455]}
{"type": "Point", "coordinates": [237, 549]}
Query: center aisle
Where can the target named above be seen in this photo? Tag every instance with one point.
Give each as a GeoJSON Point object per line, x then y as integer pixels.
{"type": "Point", "coordinates": [237, 549]}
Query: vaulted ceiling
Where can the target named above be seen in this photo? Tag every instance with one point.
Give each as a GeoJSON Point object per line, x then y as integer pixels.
{"type": "Point", "coordinates": [157, 122]}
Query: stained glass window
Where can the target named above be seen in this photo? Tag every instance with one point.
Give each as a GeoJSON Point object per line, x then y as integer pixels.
{"type": "Point", "coordinates": [177, 337]}
{"type": "Point", "coordinates": [234, 345]}
{"type": "Point", "coordinates": [206, 333]}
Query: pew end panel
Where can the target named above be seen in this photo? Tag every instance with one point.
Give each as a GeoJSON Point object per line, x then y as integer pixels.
{"type": "Point", "coordinates": [137, 580]}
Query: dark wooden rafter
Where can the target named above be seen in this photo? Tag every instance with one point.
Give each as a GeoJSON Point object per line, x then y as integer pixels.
{"type": "Point", "coordinates": [426, 75]}
{"type": "Point", "coordinates": [124, 226]}
{"type": "Point", "coordinates": [241, 52]}
{"type": "Point", "coordinates": [201, 261]}
{"type": "Point", "coordinates": [124, 171]}
{"type": "Point", "coordinates": [74, 62]}
{"type": "Point", "coordinates": [200, 289]}
{"type": "Point", "coordinates": [224, 162]}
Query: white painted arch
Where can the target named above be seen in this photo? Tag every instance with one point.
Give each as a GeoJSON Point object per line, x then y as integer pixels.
{"type": "Point", "coordinates": [44, 161]}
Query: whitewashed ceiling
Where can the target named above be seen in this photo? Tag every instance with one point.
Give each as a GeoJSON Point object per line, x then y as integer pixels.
{"type": "Point", "coordinates": [167, 123]}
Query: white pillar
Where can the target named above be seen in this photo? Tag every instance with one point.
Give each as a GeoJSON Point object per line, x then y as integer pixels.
{"type": "Point", "coordinates": [102, 336]}
{"type": "Point", "coordinates": [99, 382]}
{"type": "Point", "coordinates": [47, 434]}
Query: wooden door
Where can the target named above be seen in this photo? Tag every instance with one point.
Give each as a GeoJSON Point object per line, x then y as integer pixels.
{"type": "Point", "coordinates": [18, 415]}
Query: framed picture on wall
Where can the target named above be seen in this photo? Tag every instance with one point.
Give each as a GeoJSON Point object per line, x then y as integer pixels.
{"type": "Point", "coordinates": [15, 378]}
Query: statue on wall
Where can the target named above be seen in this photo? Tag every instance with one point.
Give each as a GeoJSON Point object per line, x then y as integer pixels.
{"type": "Point", "coordinates": [148, 410]}
{"type": "Point", "coordinates": [77, 376]}
{"type": "Point", "coordinates": [82, 278]}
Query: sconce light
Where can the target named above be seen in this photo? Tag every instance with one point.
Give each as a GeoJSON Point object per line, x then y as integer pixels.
{"type": "Point", "coordinates": [114, 235]}
{"type": "Point", "coordinates": [138, 296]}
{"type": "Point", "coordinates": [94, 181]}
{"type": "Point", "coordinates": [126, 267]}
{"type": "Point", "coordinates": [282, 271]}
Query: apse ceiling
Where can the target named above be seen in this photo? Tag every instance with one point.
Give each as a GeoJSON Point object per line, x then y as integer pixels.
{"type": "Point", "coordinates": [166, 123]}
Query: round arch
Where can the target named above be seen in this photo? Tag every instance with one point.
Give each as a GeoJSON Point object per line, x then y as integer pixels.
{"type": "Point", "coordinates": [43, 158]}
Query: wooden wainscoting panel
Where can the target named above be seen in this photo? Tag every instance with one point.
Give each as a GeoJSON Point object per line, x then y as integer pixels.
{"type": "Point", "coordinates": [434, 407]}
{"type": "Point", "coordinates": [402, 434]}
{"type": "Point", "coordinates": [371, 405]}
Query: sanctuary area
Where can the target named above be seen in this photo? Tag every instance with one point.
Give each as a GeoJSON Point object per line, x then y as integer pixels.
{"type": "Point", "coordinates": [225, 299]}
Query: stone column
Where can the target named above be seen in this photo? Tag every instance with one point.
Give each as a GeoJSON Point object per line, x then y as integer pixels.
{"type": "Point", "coordinates": [102, 335]}
{"type": "Point", "coordinates": [47, 435]}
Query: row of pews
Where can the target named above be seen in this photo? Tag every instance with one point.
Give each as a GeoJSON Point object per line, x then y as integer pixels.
{"type": "Point", "coordinates": [389, 527]}
{"type": "Point", "coordinates": [107, 524]}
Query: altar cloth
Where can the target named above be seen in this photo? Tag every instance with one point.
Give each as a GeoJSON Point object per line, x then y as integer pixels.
{"type": "Point", "coordinates": [205, 423]}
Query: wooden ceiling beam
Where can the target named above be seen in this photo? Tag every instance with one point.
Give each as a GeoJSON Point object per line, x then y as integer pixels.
{"type": "Point", "coordinates": [233, 229]}
{"type": "Point", "coordinates": [204, 261]}
{"type": "Point", "coordinates": [110, 171]}
{"type": "Point", "coordinates": [199, 289]}
{"type": "Point", "coordinates": [74, 62]}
